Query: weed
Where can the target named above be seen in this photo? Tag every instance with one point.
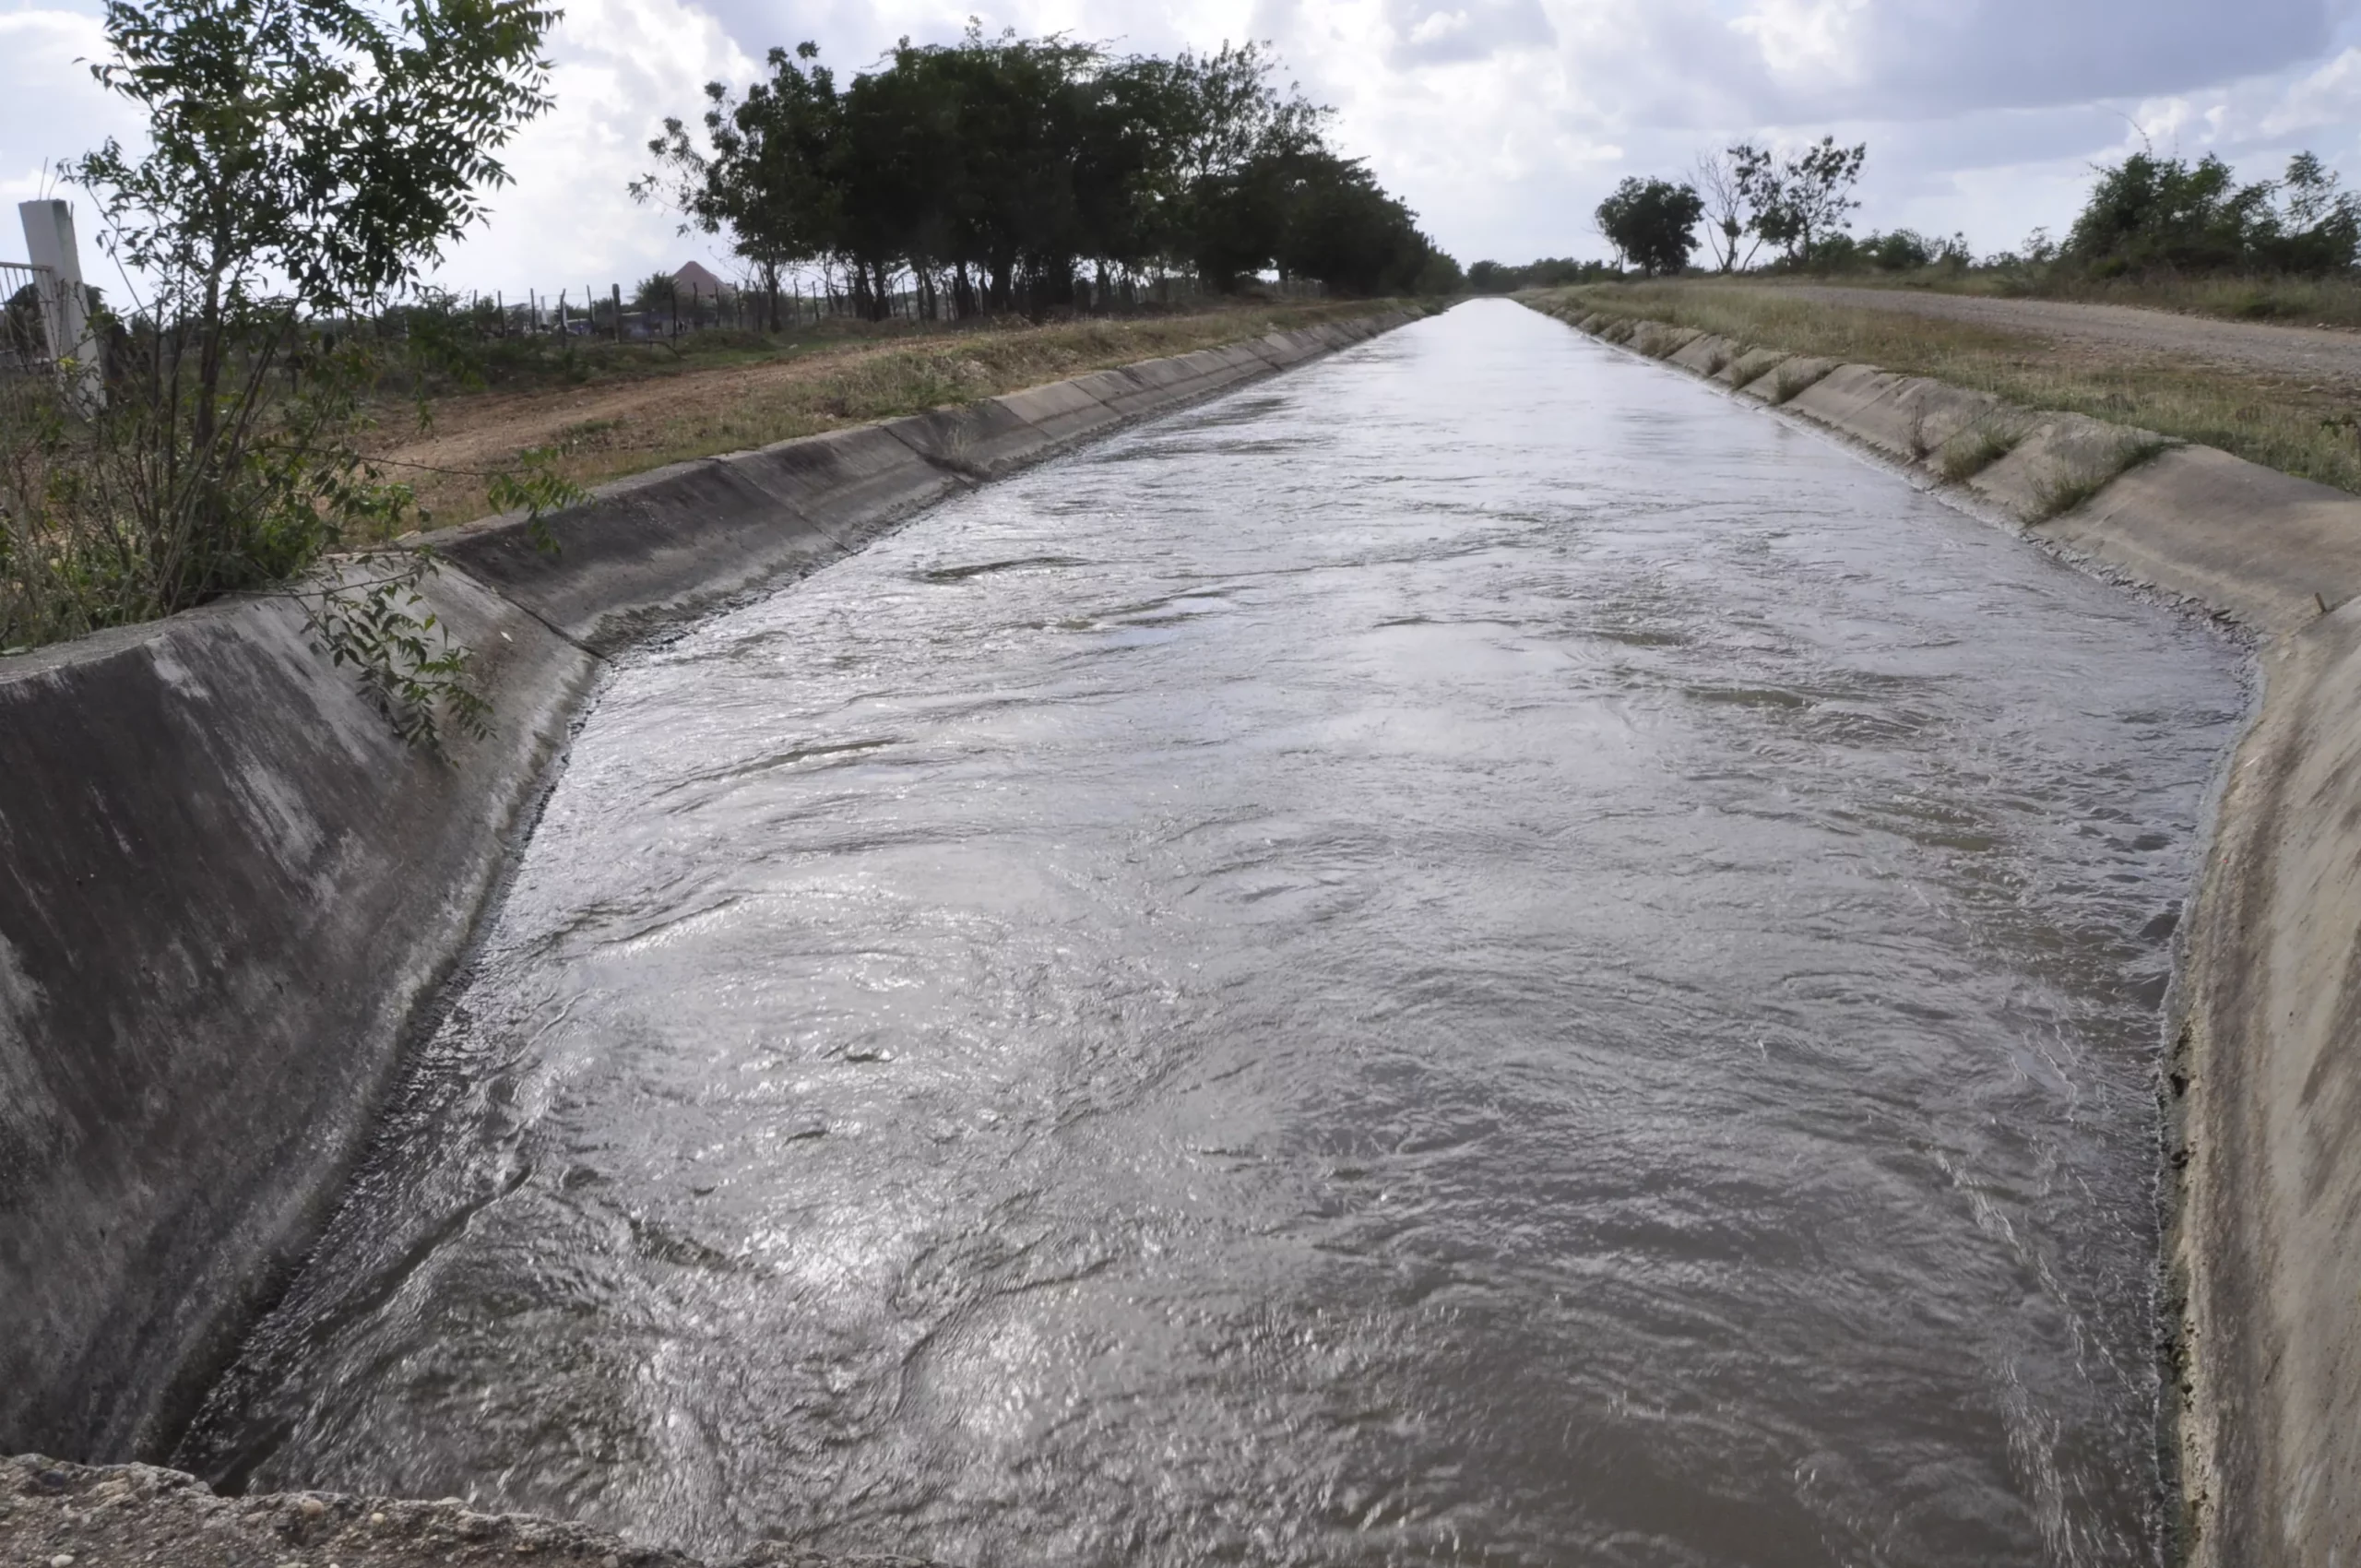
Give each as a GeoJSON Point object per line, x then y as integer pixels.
{"type": "Point", "coordinates": [1977, 449]}
{"type": "Point", "coordinates": [372, 618]}
{"type": "Point", "coordinates": [1661, 342]}
{"type": "Point", "coordinates": [1794, 377]}
{"type": "Point", "coordinates": [2057, 495]}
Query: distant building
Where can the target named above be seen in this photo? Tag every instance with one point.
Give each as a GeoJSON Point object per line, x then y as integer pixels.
{"type": "Point", "coordinates": [697, 282]}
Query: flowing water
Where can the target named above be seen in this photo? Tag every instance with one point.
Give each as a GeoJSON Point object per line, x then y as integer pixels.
{"type": "Point", "coordinates": [1472, 954]}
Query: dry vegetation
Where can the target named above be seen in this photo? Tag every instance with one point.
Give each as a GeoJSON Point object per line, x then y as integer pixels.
{"type": "Point", "coordinates": [628, 416]}
{"type": "Point", "coordinates": [2297, 424]}
{"type": "Point", "coordinates": [2294, 302]}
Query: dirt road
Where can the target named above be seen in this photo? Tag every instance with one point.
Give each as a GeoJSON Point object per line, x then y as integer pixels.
{"type": "Point", "coordinates": [2311, 352]}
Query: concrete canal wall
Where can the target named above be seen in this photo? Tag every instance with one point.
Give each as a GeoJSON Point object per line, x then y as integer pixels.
{"type": "Point", "coordinates": [229, 896]}
{"type": "Point", "coordinates": [2265, 1075]}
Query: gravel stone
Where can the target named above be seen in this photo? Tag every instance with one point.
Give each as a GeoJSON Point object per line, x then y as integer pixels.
{"type": "Point", "coordinates": [138, 1514]}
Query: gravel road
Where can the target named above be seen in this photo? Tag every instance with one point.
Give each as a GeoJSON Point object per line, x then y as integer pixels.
{"type": "Point", "coordinates": [2314, 353]}
{"type": "Point", "coordinates": [53, 1514]}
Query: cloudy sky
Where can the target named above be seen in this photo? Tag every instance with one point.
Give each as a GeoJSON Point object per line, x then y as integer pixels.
{"type": "Point", "coordinates": [1501, 121]}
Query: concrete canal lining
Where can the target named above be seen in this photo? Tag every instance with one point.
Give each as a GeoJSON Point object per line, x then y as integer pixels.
{"type": "Point", "coordinates": [231, 896]}
{"type": "Point", "coordinates": [2265, 1249]}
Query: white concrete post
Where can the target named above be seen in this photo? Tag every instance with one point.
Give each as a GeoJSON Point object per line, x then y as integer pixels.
{"type": "Point", "coordinates": [49, 242]}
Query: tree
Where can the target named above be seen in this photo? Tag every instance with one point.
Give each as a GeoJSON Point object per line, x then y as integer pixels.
{"type": "Point", "coordinates": [1722, 193]}
{"type": "Point", "coordinates": [991, 173]}
{"type": "Point", "coordinates": [1818, 190]}
{"type": "Point", "coordinates": [766, 180]}
{"type": "Point", "coordinates": [1797, 203]}
{"type": "Point", "coordinates": [306, 161]}
{"type": "Point", "coordinates": [1762, 194]}
{"type": "Point", "coordinates": [1341, 228]}
{"type": "Point", "coordinates": [2151, 214]}
{"type": "Point", "coordinates": [1651, 223]}
{"type": "Point", "coordinates": [2317, 227]}
{"type": "Point", "coordinates": [1237, 144]}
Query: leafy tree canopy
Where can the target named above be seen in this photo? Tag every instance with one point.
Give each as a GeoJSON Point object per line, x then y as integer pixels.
{"type": "Point", "coordinates": [2151, 214]}
{"type": "Point", "coordinates": [1651, 223]}
{"type": "Point", "coordinates": [998, 172]}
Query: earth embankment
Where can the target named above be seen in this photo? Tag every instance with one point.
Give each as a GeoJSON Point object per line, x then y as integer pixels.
{"type": "Point", "coordinates": [612, 410]}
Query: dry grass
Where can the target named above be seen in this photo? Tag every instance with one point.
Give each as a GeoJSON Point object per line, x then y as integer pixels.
{"type": "Point", "coordinates": [2294, 302]}
{"type": "Point", "coordinates": [2282, 422]}
{"type": "Point", "coordinates": [2061, 495]}
{"type": "Point", "coordinates": [1977, 449]}
{"type": "Point", "coordinates": [1791, 378]}
{"type": "Point", "coordinates": [626, 426]}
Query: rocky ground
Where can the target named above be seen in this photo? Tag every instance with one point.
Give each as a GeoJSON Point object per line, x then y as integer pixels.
{"type": "Point", "coordinates": [53, 1514]}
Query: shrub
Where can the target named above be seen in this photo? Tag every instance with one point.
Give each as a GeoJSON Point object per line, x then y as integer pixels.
{"type": "Point", "coordinates": [2150, 214]}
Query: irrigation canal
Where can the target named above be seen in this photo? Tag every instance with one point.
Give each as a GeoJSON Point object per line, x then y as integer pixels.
{"type": "Point", "coordinates": [1471, 954]}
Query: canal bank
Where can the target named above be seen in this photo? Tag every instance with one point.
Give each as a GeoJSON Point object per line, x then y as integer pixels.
{"type": "Point", "coordinates": [1448, 1132]}
{"type": "Point", "coordinates": [232, 896]}
{"type": "Point", "coordinates": [2265, 1081]}
{"type": "Point", "coordinates": [1424, 960]}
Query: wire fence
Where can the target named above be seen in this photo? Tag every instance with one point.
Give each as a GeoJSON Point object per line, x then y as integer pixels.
{"type": "Point", "coordinates": [660, 309]}
{"type": "Point", "coordinates": [670, 308]}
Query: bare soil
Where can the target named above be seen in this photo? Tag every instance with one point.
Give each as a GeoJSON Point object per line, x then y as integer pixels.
{"type": "Point", "coordinates": [488, 429]}
{"type": "Point", "coordinates": [612, 427]}
{"type": "Point", "coordinates": [54, 1515]}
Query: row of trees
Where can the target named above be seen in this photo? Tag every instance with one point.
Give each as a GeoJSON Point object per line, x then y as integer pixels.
{"type": "Point", "coordinates": [1550, 272]}
{"type": "Point", "coordinates": [2147, 214]}
{"type": "Point", "coordinates": [1744, 199]}
{"type": "Point", "coordinates": [1005, 173]}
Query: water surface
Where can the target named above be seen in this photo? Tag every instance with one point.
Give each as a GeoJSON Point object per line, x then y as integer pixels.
{"type": "Point", "coordinates": [1473, 954]}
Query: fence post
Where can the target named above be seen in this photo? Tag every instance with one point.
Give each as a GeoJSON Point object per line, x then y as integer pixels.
{"type": "Point", "coordinates": [49, 242]}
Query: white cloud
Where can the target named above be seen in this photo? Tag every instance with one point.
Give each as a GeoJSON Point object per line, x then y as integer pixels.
{"type": "Point", "coordinates": [50, 109]}
{"type": "Point", "coordinates": [620, 66]}
{"type": "Point", "coordinates": [1501, 121]}
{"type": "Point", "coordinates": [1809, 43]}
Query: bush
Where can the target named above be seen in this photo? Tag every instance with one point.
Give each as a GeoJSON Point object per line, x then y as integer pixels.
{"type": "Point", "coordinates": [2150, 215]}
{"type": "Point", "coordinates": [1550, 272]}
{"type": "Point", "coordinates": [1651, 223]}
{"type": "Point", "coordinates": [1902, 250]}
